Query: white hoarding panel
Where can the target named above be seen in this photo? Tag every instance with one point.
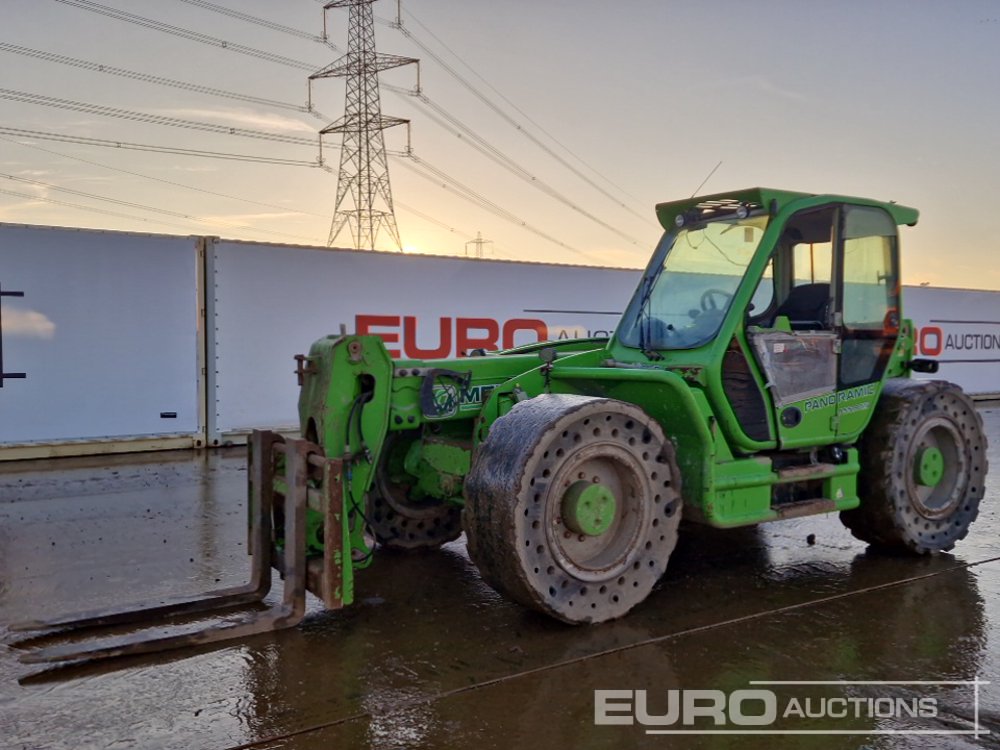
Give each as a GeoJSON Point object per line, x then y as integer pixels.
{"type": "Point", "coordinates": [959, 328]}
{"type": "Point", "coordinates": [99, 331]}
{"type": "Point", "coordinates": [270, 303]}
{"type": "Point", "coordinates": [104, 328]}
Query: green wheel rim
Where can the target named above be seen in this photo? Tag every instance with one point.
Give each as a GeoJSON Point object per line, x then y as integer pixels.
{"type": "Point", "coordinates": [588, 508]}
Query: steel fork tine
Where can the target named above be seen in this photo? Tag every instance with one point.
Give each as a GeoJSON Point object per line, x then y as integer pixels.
{"type": "Point", "coordinates": [284, 615]}
{"type": "Point", "coordinates": [261, 501]}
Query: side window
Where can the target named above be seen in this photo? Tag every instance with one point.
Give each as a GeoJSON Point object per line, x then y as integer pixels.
{"type": "Point", "coordinates": [806, 268]}
{"type": "Point", "coordinates": [812, 262]}
{"type": "Point", "coordinates": [870, 302]}
{"type": "Point", "coordinates": [871, 289]}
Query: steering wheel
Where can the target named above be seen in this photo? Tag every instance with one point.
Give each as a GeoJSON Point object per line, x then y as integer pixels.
{"type": "Point", "coordinates": [659, 333]}
{"type": "Point", "coordinates": [708, 302]}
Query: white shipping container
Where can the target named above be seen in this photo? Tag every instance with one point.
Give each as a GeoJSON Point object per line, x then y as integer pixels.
{"type": "Point", "coordinates": [107, 330]}
{"type": "Point", "coordinates": [960, 329]}
{"type": "Point", "coordinates": [106, 335]}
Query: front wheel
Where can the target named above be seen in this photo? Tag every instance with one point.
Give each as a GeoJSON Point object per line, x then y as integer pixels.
{"type": "Point", "coordinates": [572, 506]}
{"type": "Point", "coordinates": [923, 467]}
{"type": "Point", "coordinates": [399, 518]}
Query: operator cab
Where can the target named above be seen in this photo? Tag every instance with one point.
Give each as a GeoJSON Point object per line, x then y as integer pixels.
{"type": "Point", "coordinates": [787, 305]}
{"type": "Point", "coordinates": [825, 313]}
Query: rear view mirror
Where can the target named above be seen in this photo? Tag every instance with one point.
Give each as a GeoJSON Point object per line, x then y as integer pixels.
{"type": "Point", "coordinates": [924, 365]}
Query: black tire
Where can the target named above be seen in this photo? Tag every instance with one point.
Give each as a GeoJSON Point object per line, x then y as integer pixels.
{"type": "Point", "coordinates": [398, 520]}
{"type": "Point", "coordinates": [919, 424]}
{"type": "Point", "coordinates": [588, 565]}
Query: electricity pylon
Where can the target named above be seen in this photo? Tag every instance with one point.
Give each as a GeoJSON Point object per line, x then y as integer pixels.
{"type": "Point", "coordinates": [364, 171]}
{"type": "Point", "coordinates": [479, 243]}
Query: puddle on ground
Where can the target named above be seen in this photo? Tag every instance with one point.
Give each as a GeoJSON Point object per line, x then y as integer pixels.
{"type": "Point", "coordinates": [429, 656]}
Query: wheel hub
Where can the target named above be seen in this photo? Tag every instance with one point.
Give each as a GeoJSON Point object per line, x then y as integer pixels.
{"type": "Point", "coordinates": [929, 466]}
{"type": "Point", "coordinates": [939, 469]}
{"type": "Point", "coordinates": [588, 508]}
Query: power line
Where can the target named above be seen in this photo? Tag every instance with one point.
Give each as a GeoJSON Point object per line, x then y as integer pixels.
{"type": "Point", "coordinates": [119, 214]}
{"type": "Point", "coordinates": [515, 107]}
{"type": "Point", "coordinates": [478, 142]}
{"type": "Point", "coordinates": [510, 120]}
{"type": "Point", "coordinates": [431, 219]}
{"type": "Point", "coordinates": [447, 180]}
{"type": "Point", "coordinates": [156, 119]}
{"type": "Point", "coordinates": [94, 209]}
{"type": "Point", "coordinates": [125, 114]}
{"type": "Point", "coordinates": [504, 160]}
{"type": "Point", "coordinates": [147, 78]}
{"type": "Point", "coordinates": [143, 207]}
{"type": "Point", "coordinates": [280, 59]}
{"type": "Point", "coordinates": [500, 158]}
{"type": "Point", "coordinates": [85, 141]}
{"type": "Point", "coordinates": [261, 22]}
{"type": "Point", "coordinates": [77, 140]}
{"type": "Point", "coordinates": [193, 36]}
{"type": "Point", "coordinates": [146, 219]}
{"type": "Point", "coordinates": [415, 164]}
{"type": "Point", "coordinates": [216, 42]}
{"type": "Point", "coordinates": [429, 172]}
{"type": "Point", "coordinates": [162, 180]}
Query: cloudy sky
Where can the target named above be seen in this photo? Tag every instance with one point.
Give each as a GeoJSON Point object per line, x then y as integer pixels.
{"type": "Point", "coordinates": [565, 121]}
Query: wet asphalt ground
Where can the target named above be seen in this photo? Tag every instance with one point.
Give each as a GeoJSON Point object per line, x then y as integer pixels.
{"type": "Point", "coordinates": [430, 657]}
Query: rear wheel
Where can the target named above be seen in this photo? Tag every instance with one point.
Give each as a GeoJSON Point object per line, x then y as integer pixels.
{"type": "Point", "coordinates": [923, 466]}
{"type": "Point", "coordinates": [397, 517]}
{"type": "Point", "coordinates": [572, 506]}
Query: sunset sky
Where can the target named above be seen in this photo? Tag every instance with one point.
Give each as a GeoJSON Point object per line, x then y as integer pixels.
{"type": "Point", "coordinates": [601, 109]}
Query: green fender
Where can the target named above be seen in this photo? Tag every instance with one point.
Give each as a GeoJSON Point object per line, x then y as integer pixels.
{"type": "Point", "coordinates": [682, 411]}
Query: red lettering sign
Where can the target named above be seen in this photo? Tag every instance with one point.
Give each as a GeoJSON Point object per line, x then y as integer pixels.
{"type": "Point", "coordinates": [465, 341]}
{"type": "Point", "coordinates": [523, 324]}
{"type": "Point", "coordinates": [366, 324]}
{"type": "Point", "coordinates": [930, 341]}
{"type": "Point", "coordinates": [465, 333]}
{"type": "Point", "coordinates": [410, 340]}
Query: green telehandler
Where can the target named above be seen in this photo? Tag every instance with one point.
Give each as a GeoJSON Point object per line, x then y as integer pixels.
{"type": "Point", "coordinates": [761, 371]}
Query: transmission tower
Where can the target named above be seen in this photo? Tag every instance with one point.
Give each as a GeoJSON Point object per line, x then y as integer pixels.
{"type": "Point", "coordinates": [364, 197]}
{"type": "Point", "coordinates": [479, 244]}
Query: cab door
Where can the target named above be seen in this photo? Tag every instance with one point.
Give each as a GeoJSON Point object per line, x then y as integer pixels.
{"type": "Point", "coordinates": [794, 340]}
{"type": "Point", "coordinates": [867, 311]}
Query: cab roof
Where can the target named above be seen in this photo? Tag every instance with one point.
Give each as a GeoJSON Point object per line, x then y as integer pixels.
{"type": "Point", "coordinates": [773, 201]}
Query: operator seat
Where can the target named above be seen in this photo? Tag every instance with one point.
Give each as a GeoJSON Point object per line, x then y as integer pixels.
{"type": "Point", "coordinates": [807, 307]}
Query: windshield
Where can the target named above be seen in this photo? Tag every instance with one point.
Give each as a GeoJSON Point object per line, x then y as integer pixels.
{"type": "Point", "coordinates": [686, 291]}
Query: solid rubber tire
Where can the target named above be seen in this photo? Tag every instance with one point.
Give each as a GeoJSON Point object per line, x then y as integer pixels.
{"type": "Point", "coordinates": [518, 478]}
{"type": "Point", "coordinates": [890, 515]}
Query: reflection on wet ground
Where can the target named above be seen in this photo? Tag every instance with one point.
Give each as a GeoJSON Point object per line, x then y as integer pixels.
{"type": "Point", "coordinates": [431, 657]}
